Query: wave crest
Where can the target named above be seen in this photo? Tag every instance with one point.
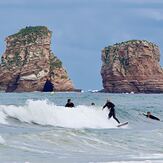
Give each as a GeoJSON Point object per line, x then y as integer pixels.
{"type": "Point", "coordinates": [43, 112]}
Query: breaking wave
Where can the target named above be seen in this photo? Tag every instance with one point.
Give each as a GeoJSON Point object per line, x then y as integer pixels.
{"type": "Point", "coordinates": [43, 112]}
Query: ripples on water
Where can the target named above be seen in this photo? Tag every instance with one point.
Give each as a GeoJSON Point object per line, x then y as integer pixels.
{"type": "Point", "coordinates": [36, 127]}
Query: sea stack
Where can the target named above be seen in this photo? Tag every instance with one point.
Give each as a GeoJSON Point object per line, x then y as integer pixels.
{"type": "Point", "coordinates": [132, 66]}
{"type": "Point", "coordinates": [28, 61]}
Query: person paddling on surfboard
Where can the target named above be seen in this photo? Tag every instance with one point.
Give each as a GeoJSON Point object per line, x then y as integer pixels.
{"type": "Point", "coordinates": [149, 115]}
{"type": "Point", "coordinates": [110, 106]}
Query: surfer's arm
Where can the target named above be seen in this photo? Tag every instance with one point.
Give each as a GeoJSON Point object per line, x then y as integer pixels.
{"type": "Point", "coordinates": [103, 106]}
{"type": "Point", "coordinates": [142, 114]}
{"type": "Point", "coordinates": [106, 105]}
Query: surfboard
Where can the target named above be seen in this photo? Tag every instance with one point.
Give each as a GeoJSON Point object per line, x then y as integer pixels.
{"type": "Point", "coordinates": [122, 124]}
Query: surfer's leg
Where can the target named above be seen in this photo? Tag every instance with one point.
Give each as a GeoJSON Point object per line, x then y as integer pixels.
{"type": "Point", "coordinates": [115, 118]}
{"type": "Point", "coordinates": [110, 115]}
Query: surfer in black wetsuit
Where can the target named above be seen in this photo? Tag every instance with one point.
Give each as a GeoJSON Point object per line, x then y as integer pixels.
{"type": "Point", "coordinates": [149, 115]}
{"type": "Point", "coordinates": [69, 104]}
{"type": "Point", "coordinates": [110, 106]}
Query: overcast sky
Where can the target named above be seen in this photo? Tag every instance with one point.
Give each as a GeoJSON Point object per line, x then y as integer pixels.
{"type": "Point", "coordinates": [81, 28]}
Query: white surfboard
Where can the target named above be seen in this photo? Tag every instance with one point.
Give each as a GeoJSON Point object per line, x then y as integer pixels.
{"type": "Point", "coordinates": [122, 124]}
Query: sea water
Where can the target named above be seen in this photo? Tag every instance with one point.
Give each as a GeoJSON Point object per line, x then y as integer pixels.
{"type": "Point", "coordinates": [36, 127]}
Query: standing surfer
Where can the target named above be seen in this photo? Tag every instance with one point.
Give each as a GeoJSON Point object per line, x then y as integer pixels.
{"type": "Point", "coordinates": [110, 106]}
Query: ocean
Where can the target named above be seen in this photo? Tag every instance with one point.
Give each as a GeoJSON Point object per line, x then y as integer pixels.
{"type": "Point", "coordinates": [37, 128]}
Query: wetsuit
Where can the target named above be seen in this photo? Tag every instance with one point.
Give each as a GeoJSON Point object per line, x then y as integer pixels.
{"type": "Point", "coordinates": [69, 104]}
{"type": "Point", "coordinates": [152, 117]}
{"type": "Point", "coordinates": [111, 106]}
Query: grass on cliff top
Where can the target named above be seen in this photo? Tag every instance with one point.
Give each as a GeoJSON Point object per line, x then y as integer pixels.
{"type": "Point", "coordinates": [39, 30]}
{"type": "Point", "coordinates": [133, 41]}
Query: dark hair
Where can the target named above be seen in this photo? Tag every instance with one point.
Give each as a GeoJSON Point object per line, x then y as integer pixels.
{"type": "Point", "coordinates": [69, 100]}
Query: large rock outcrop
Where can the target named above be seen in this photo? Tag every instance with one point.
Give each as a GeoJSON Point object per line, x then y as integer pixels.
{"type": "Point", "coordinates": [132, 66]}
{"type": "Point", "coordinates": [28, 61]}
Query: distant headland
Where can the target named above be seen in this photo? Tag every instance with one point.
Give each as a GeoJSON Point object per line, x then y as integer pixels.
{"type": "Point", "coordinates": [28, 61]}
{"type": "Point", "coordinates": [132, 66]}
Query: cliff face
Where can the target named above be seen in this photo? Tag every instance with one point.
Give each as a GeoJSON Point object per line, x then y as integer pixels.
{"type": "Point", "coordinates": [28, 61]}
{"type": "Point", "coordinates": [132, 66]}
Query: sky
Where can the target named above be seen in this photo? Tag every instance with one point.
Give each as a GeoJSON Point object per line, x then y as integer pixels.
{"type": "Point", "coordinates": [82, 28]}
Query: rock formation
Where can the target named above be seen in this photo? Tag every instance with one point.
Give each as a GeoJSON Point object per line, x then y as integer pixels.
{"type": "Point", "coordinates": [28, 61]}
{"type": "Point", "coordinates": [132, 66]}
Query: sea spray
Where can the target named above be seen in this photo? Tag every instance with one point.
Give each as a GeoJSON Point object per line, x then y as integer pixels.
{"type": "Point", "coordinates": [43, 112]}
{"type": "Point", "coordinates": [2, 115]}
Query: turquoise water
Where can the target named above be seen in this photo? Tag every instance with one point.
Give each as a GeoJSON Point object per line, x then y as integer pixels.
{"type": "Point", "coordinates": [36, 127]}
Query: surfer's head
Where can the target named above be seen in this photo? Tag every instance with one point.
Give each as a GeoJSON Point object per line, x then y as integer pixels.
{"type": "Point", "coordinates": [69, 100]}
{"type": "Point", "coordinates": [148, 113]}
{"type": "Point", "coordinates": [92, 103]}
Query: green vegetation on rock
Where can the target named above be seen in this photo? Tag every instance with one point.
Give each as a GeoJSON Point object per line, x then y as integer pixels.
{"type": "Point", "coordinates": [133, 42]}
{"type": "Point", "coordinates": [38, 30]}
{"type": "Point", "coordinates": [9, 62]}
{"type": "Point", "coordinates": [107, 51]}
{"type": "Point", "coordinates": [55, 62]}
{"type": "Point", "coordinates": [114, 49]}
{"type": "Point", "coordinates": [17, 59]}
{"type": "Point", "coordinates": [3, 61]}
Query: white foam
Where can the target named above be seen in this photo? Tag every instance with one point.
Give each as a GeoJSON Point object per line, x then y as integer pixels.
{"type": "Point", "coordinates": [2, 115]}
{"type": "Point", "coordinates": [45, 113]}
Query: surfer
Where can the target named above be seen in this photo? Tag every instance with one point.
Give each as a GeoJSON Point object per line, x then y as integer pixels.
{"type": "Point", "coordinates": [69, 104]}
{"type": "Point", "coordinates": [149, 115]}
{"type": "Point", "coordinates": [110, 106]}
